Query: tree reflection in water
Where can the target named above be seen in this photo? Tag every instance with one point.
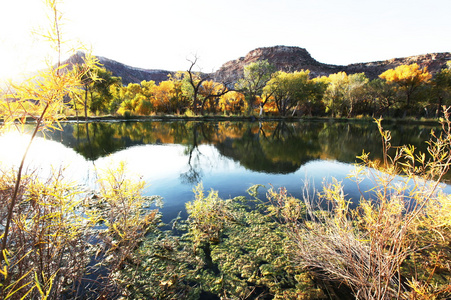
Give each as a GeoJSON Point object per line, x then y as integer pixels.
{"type": "Point", "coordinates": [270, 147]}
{"type": "Point", "coordinates": [194, 174]}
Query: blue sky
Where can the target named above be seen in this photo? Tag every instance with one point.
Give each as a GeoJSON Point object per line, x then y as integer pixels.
{"type": "Point", "coordinates": [163, 34]}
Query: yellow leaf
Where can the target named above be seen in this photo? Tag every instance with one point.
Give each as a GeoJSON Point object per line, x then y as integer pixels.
{"type": "Point", "coordinates": [4, 272]}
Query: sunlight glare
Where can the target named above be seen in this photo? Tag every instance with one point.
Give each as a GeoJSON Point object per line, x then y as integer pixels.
{"type": "Point", "coordinates": [10, 154]}
{"type": "Point", "coordinates": [21, 52]}
{"type": "Point", "coordinates": [45, 156]}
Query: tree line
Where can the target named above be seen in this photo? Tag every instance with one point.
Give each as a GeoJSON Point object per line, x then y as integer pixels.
{"type": "Point", "coordinates": [404, 90]}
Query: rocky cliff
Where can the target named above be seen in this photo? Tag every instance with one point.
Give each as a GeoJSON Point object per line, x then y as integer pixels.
{"type": "Point", "coordinates": [290, 59]}
{"type": "Point", "coordinates": [433, 61]}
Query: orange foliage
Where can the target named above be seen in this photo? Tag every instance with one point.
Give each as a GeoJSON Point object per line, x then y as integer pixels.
{"type": "Point", "coordinates": [271, 108]}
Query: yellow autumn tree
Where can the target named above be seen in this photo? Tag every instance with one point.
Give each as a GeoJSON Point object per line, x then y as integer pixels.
{"type": "Point", "coordinates": [334, 97]}
{"type": "Point", "coordinates": [163, 94]}
{"type": "Point", "coordinates": [134, 98]}
{"type": "Point", "coordinates": [408, 78]}
{"type": "Point", "coordinates": [210, 92]}
{"type": "Point", "coordinates": [233, 102]}
{"type": "Point", "coordinates": [181, 91]}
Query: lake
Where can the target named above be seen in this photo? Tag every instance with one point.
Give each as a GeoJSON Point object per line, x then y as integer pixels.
{"type": "Point", "coordinates": [174, 156]}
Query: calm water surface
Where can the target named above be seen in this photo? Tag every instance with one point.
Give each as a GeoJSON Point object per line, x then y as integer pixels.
{"type": "Point", "coordinates": [173, 157]}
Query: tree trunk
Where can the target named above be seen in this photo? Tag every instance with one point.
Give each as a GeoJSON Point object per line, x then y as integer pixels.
{"type": "Point", "coordinates": [295, 109]}
{"type": "Point", "coordinates": [86, 103]}
{"type": "Point", "coordinates": [439, 106]}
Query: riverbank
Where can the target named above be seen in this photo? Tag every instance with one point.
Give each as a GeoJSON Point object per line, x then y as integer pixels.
{"type": "Point", "coordinates": [115, 118]}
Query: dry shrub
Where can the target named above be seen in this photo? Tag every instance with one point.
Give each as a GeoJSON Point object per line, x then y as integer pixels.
{"type": "Point", "coordinates": [46, 253]}
{"type": "Point", "coordinates": [65, 243]}
{"type": "Point", "coordinates": [395, 243]}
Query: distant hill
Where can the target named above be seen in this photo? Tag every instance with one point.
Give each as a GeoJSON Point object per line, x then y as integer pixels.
{"type": "Point", "coordinates": [127, 73]}
{"type": "Point", "coordinates": [284, 58]}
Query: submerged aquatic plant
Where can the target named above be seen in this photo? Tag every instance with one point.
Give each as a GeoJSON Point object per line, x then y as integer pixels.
{"type": "Point", "coordinates": [229, 249]}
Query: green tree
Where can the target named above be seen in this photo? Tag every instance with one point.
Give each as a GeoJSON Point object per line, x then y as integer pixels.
{"type": "Point", "coordinates": [383, 96]}
{"type": "Point", "coordinates": [441, 87]}
{"type": "Point", "coordinates": [87, 80]}
{"type": "Point", "coordinates": [48, 224]}
{"type": "Point", "coordinates": [356, 93]}
{"type": "Point", "coordinates": [315, 104]}
{"type": "Point", "coordinates": [344, 92]}
{"type": "Point", "coordinates": [290, 90]}
{"type": "Point", "coordinates": [334, 97]}
{"type": "Point", "coordinates": [255, 77]}
{"type": "Point", "coordinates": [101, 96]}
{"type": "Point", "coordinates": [96, 85]}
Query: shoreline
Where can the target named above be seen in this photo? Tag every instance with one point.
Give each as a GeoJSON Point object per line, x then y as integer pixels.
{"type": "Point", "coordinates": [432, 122]}
{"type": "Point", "coordinates": [209, 118]}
